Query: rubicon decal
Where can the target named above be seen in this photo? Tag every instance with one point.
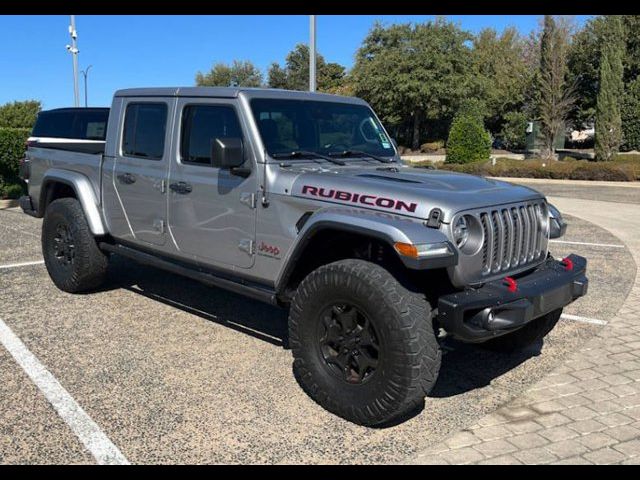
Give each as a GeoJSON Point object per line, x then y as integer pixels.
{"type": "Point", "coordinates": [364, 199]}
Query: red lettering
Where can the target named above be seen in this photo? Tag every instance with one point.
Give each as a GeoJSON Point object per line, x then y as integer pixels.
{"type": "Point", "coordinates": [310, 190]}
{"type": "Point", "coordinates": [371, 200]}
{"type": "Point", "coordinates": [411, 207]}
{"type": "Point", "coordinates": [385, 202]}
{"type": "Point", "coordinates": [326, 194]}
{"type": "Point", "coordinates": [344, 196]}
{"type": "Point", "coordinates": [363, 199]}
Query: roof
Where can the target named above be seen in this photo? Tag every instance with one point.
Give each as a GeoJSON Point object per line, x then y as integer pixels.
{"type": "Point", "coordinates": [76, 109]}
{"type": "Point", "coordinates": [233, 92]}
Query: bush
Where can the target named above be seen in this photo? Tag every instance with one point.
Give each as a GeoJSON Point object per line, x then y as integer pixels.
{"type": "Point", "coordinates": [11, 191]}
{"type": "Point", "coordinates": [513, 132]}
{"type": "Point", "coordinates": [12, 148]}
{"type": "Point", "coordinates": [626, 158]}
{"type": "Point", "coordinates": [431, 147]}
{"type": "Point", "coordinates": [468, 140]}
{"type": "Point", "coordinates": [19, 114]}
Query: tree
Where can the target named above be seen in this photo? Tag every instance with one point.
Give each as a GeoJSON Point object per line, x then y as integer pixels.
{"type": "Point", "coordinates": [502, 73]}
{"type": "Point", "coordinates": [584, 61]}
{"type": "Point", "coordinates": [415, 76]}
{"type": "Point", "coordinates": [295, 74]}
{"type": "Point", "coordinates": [630, 112]}
{"type": "Point", "coordinates": [19, 114]}
{"type": "Point", "coordinates": [239, 73]}
{"type": "Point", "coordinates": [513, 132]}
{"type": "Point", "coordinates": [468, 140]}
{"type": "Point", "coordinates": [556, 96]}
{"type": "Point", "coordinates": [608, 128]}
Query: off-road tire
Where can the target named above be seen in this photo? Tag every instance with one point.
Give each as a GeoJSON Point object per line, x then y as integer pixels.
{"type": "Point", "coordinates": [410, 354]}
{"type": "Point", "coordinates": [88, 268]}
{"type": "Point", "coordinates": [529, 334]}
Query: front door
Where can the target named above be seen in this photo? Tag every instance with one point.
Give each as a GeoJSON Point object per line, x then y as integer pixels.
{"type": "Point", "coordinates": [141, 167]}
{"type": "Point", "coordinates": [212, 212]}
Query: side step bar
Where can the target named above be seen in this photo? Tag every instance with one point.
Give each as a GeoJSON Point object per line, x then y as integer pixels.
{"type": "Point", "coordinates": [256, 292]}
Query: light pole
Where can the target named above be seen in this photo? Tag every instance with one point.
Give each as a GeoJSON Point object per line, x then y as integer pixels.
{"type": "Point", "coordinates": [73, 49]}
{"type": "Point", "coordinates": [312, 53]}
{"type": "Point", "coordinates": [85, 72]}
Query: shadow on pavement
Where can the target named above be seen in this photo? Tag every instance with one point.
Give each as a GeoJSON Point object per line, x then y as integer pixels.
{"type": "Point", "coordinates": [248, 316]}
{"type": "Point", "coordinates": [458, 374]}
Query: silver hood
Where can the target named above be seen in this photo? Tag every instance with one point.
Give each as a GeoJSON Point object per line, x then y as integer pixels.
{"type": "Point", "coordinates": [404, 190]}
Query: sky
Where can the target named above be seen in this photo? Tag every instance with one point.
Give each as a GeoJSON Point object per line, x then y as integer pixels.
{"type": "Point", "coordinates": [147, 51]}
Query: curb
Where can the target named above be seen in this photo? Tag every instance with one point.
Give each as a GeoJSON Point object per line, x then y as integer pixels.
{"type": "Point", "coordinates": [4, 204]}
{"type": "Point", "coordinates": [554, 181]}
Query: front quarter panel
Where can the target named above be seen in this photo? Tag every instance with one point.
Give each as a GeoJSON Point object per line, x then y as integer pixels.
{"type": "Point", "coordinates": [384, 226]}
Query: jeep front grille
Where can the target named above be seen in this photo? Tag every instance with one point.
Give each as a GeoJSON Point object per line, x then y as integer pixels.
{"type": "Point", "coordinates": [514, 236]}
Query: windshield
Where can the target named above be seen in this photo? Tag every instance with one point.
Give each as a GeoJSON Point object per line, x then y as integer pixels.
{"type": "Point", "coordinates": [322, 127]}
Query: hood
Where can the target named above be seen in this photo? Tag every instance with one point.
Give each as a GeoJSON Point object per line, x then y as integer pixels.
{"type": "Point", "coordinates": [405, 190]}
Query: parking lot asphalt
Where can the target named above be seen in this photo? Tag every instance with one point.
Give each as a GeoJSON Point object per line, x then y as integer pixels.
{"type": "Point", "coordinates": [176, 372]}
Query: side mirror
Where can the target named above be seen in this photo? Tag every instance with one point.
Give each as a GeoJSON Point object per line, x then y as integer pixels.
{"type": "Point", "coordinates": [227, 153]}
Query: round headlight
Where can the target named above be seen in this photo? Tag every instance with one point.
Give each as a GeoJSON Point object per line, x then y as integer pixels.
{"type": "Point", "coordinates": [461, 231]}
{"type": "Point", "coordinates": [467, 234]}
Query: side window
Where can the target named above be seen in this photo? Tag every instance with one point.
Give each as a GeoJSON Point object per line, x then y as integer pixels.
{"type": "Point", "coordinates": [54, 125]}
{"type": "Point", "coordinates": [201, 125]}
{"type": "Point", "coordinates": [144, 130]}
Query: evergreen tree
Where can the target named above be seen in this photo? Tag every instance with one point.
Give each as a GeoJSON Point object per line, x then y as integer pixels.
{"type": "Point", "coordinates": [608, 128]}
{"type": "Point", "coordinates": [556, 97]}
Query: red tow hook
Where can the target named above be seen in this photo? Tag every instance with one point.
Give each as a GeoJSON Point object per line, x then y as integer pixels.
{"type": "Point", "coordinates": [511, 284]}
{"type": "Point", "coordinates": [568, 263]}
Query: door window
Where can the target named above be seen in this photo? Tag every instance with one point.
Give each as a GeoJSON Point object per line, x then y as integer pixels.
{"type": "Point", "coordinates": [144, 130]}
{"type": "Point", "coordinates": [201, 125]}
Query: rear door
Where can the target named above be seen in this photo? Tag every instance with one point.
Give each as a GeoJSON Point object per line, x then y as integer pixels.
{"type": "Point", "coordinates": [141, 167]}
{"type": "Point", "coordinates": [212, 212]}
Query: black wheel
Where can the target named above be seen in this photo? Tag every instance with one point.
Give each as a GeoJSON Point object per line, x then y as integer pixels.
{"type": "Point", "coordinates": [363, 344]}
{"type": "Point", "coordinates": [71, 255]}
{"type": "Point", "coordinates": [529, 334]}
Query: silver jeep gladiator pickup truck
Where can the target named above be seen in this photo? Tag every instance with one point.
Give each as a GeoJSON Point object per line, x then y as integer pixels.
{"type": "Point", "coordinates": [300, 200]}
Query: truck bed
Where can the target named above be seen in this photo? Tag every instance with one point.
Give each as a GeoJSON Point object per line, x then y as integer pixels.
{"type": "Point", "coordinates": [70, 145]}
{"type": "Point", "coordinates": [44, 160]}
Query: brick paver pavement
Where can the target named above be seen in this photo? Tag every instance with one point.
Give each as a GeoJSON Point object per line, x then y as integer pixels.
{"type": "Point", "coordinates": [586, 411]}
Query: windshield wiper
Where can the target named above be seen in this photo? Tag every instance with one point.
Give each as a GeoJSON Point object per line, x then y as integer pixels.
{"type": "Point", "coordinates": [304, 153]}
{"type": "Point", "coordinates": [360, 153]}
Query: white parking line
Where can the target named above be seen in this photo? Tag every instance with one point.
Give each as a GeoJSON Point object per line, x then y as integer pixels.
{"type": "Point", "coordinates": [87, 431]}
{"type": "Point", "coordinates": [21, 264]}
{"type": "Point", "coordinates": [610, 245]}
{"type": "Point", "coordinates": [577, 318]}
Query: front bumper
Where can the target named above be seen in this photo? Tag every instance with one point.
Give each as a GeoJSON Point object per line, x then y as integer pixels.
{"type": "Point", "coordinates": [477, 315]}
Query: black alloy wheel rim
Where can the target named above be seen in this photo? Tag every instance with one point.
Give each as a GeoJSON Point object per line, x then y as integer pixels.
{"type": "Point", "coordinates": [349, 343]}
{"type": "Point", "coordinates": [64, 247]}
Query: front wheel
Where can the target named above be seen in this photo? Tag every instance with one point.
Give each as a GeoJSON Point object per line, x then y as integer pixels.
{"type": "Point", "coordinates": [532, 332]}
{"type": "Point", "coordinates": [363, 344]}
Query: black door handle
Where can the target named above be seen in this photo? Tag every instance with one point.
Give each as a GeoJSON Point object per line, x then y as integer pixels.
{"type": "Point", "coordinates": [181, 187]}
{"type": "Point", "coordinates": [127, 178]}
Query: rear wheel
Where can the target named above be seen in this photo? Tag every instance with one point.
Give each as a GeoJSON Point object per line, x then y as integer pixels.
{"type": "Point", "coordinates": [363, 344]}
{"type": "Point", "coordinates": [71, 255]}
{"type": "Point", "coordinates": [529, 334]}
